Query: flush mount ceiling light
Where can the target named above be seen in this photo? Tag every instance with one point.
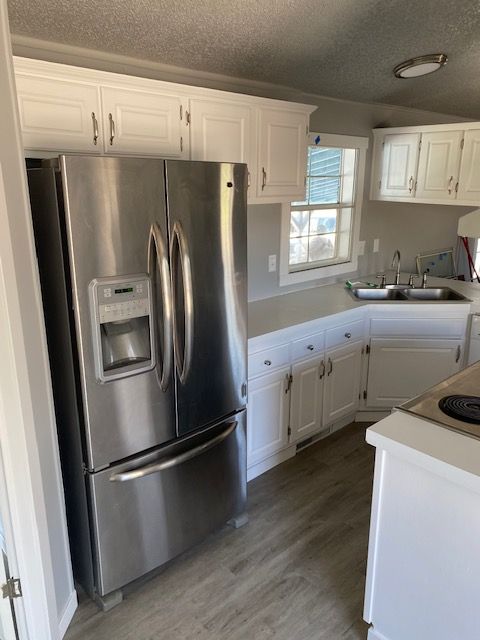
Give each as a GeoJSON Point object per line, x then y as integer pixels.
{"type": "Point", "coordinates": [420, 66]}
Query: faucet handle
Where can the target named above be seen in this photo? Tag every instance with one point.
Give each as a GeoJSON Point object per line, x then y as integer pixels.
{"type": "Point", "coordinates": [424, 280]}
{"type": "Point", "coordinates": [384, 280]}
{"type": "Point", "coordinates": [413, 276]}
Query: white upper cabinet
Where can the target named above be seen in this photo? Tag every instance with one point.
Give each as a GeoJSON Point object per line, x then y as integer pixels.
{"type": "Point", "coordinates": [439, 165]}
{"type": "Point", "coordinates": [144, 122]}
{"type": "Point", "coordinates": [65, 108]}
{"type": "Point", "coordinates": [282, 153]}
{"type": "Point", "coordinates": [399, 165]}
{"type": "Point", "coordinates": [469, 182]}
{"type": "Point", "coordinates": [222, 132]}
{"type": "Point", "coordinates": [58, 115]}
{"type": "Point", "coordinates": [428, 164]}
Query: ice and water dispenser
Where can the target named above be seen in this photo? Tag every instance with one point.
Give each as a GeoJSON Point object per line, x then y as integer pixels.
{"type": "Point", "coordinates": [121, 311]}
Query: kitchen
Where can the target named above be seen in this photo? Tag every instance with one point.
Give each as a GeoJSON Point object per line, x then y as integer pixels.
{"type": "Point", "coordinates": [416, 228]}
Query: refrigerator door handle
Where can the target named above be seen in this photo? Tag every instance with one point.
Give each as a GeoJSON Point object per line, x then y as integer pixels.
{"type": "Point", "coordinates": [160, 257]}
{"type": "Point", "coordinates": [179, 243]}
{"type": "Point", "coordinates": [173, 461]}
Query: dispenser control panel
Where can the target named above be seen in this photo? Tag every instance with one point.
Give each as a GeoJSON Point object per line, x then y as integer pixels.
{"type": "Point", "coordinates": [123, 301]}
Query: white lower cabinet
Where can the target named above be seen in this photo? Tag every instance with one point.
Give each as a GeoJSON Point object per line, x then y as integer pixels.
{"type": "Point", "coordinates": [342, 382]}
{"type": "Point", "coordinates": [306, 398]}
{"type": "Point", "coordinates": [268, 415]}
{"type": "Point", "coordinates": [400, 369]}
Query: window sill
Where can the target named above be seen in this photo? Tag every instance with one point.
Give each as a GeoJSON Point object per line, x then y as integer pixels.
{"type": "Point", "coordinates": [297, 277]}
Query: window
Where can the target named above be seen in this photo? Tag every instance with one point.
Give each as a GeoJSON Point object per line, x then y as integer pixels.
{"type": "Point", "coordinates": [319, 234]}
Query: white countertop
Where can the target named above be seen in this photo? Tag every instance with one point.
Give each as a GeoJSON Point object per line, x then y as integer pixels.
{"type": "Point", "coordinates": [279, 312]}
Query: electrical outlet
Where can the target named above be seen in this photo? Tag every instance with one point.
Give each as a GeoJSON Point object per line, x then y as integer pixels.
{"type": "Point", "coordinates": [272, 263]}
{"type": "Point", "coordinates": [376, 245]}
{"type": "Point", "coordinates": [361, 247]}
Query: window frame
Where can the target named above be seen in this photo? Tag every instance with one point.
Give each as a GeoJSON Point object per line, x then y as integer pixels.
{"type": "Point", "coordinates": [287, 277]}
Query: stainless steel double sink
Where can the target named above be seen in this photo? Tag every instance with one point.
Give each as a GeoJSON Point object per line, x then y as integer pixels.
{"type": "Point", "coordinates": [397, 292]}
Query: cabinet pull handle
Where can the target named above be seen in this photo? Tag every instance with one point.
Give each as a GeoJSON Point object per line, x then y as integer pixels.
{"type": "Point", "coordinates": [348, 334]}
{"type": "Point", "coordinates": [450, 185]}
{"type": "Point", "coordinates": [321, 369]}
{"type": "Point", "coordinates": [410, 184]}
{"type": "Point", "coordinates": [95, 128]}
{"type": "Point", "coordinates": [456, 187]}
{"type": "Point", "coordinates": [112, 128]}
{"type": "Point", "coordinates": [264, 178]}
{"type": "Point", "coordinates": [268, 362]}
{"type": "Point", "coordinates": [459, 353]}
{"type": "Point", "coordinates": [310, 347]}
{"type": "Point", "coordinates": [330, 363]}
{"type": "Point", "coordinates": [248, 179]}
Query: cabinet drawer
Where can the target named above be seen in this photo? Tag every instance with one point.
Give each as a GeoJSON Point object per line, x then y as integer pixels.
{"type": "Point", "coordinates": [418, 327]}
{"type": "Point", "coordinates": [265, 361]}
{"type": "Point", "coordinates": [344, 334]}
{"type": "Point", "coordinates": [308, 346]}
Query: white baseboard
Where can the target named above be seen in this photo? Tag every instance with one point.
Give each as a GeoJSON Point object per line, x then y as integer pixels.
{"type": "Point", "coordinates": [373, 634]}
{"type": "Point", "coordinates": [259, 468]}
{"type": "Point", "coordinates": [371, 416]}
{"type": "Point", "coordinates": [67, 614]}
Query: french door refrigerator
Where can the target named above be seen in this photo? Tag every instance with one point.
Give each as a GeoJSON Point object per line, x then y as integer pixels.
{"type": "Point", "coordinates": [143, 273]}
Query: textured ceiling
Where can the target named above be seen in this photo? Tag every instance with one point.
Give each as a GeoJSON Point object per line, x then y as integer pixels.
{"type": "Point", "coordinates": [339, 48]}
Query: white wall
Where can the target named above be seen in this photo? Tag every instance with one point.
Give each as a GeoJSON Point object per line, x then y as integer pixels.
{"type": "Point", "coordinates": [27, 421]}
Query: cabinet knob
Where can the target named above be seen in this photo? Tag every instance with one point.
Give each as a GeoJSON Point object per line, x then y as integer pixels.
{"type": "Point", "coordinates": [268, 362]}
{"type": "Point", "coordinates": [310, 347]}
{"type": "Point", "coordinates": [348, 334]}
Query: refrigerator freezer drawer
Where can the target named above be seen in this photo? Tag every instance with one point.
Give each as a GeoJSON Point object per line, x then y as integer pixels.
{"type": "Point", "coordinates": [151, 509]}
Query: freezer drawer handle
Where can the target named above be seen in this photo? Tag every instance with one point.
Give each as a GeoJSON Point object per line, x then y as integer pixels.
{"type": "Point", "coordinates": [179, 243]}
{"type": "Point", "coordinates": [173, 461]}
{"type": "Point", "coordinates": [161, 263]}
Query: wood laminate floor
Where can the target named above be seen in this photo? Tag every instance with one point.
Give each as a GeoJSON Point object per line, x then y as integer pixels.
{"type": "Point", "coordinates": [296, 571]}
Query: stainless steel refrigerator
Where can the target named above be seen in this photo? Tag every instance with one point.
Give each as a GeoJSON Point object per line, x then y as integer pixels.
{"type": "Point", "coordinates": [143, 274]}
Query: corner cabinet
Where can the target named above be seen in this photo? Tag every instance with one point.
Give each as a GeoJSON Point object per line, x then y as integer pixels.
{"type": "Point", "coordinates": [437, 164]}
{"type": "Point", "coordinates": [70, 109]}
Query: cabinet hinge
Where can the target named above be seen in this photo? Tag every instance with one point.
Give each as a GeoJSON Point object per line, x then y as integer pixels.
{"type": "Point", "coordinates": [187, 117]}
{"type": "Point", "coordinates": [306, 129]}
{"type": "Point", "coordinates": [289, 431]}
{"type": "Point", "coordinates": [420, 144]}
{"type": "Point", "coordinates": [367, 349]}
{"type": "Point", "coordinates": [365, 394]}
{"type": "Point", "coordinates": [12, 588]}
{"type": "Point", "coordinates": [462, 143]}
{"type": "Point", "coordinates": [181, 143]}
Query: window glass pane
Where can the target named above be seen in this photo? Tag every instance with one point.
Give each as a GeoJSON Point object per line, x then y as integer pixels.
{"type": "Point", "coordinates": [323, 190]}
{"type": "Point", "coordinates": [299, 223]}
{"type": "Point", "coordinates": [324, 162]}
{"type": "Point", "coordinates": [321, 247]}
{"type": "Point", "coordinates": [323, 221]}
{"type": "Point", "coordinates": [298, 250]}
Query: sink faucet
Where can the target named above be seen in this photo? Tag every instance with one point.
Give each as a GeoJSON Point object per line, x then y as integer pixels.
{"type": "Point", "coordinates": [396, 257]}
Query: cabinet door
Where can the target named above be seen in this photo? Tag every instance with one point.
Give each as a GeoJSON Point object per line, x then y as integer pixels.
{"type": "Point", "coordinates": [307, 398]}
{"type": "Point", "coordinates": [58, 115]}
{"type": "Point", "coordinates": [282, 155]}
{"type": "Point", "coordinates": [221, 132]}
{"type": "Point", "coordinates": [144, 122]}
{"type": "Point", "coordinates": [342, 382]}
{"type": "Point", "coordinates": [399, 370]}
{"type": "Point", "coordinates": [267, 415]}
{"type": "Point", "coordinates": [439, 164]}
{"type": "Point", "coordinates": [469, 182]}
{"type": "Point", "coordinates": [399, 165]}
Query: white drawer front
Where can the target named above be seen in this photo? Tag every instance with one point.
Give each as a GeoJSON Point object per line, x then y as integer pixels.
{"type": "Point", "coordinates": [344, 334]}
{"type": "Point", "coordinates": [410, 327]}
{"type": "Point", "coordinates": [311, 345]}
{"type": "Point", "coordinates": [265, 361]}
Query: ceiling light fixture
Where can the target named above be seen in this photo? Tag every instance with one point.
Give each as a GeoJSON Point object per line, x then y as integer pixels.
{"type": "Point", "coordinates": [420, 66]}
